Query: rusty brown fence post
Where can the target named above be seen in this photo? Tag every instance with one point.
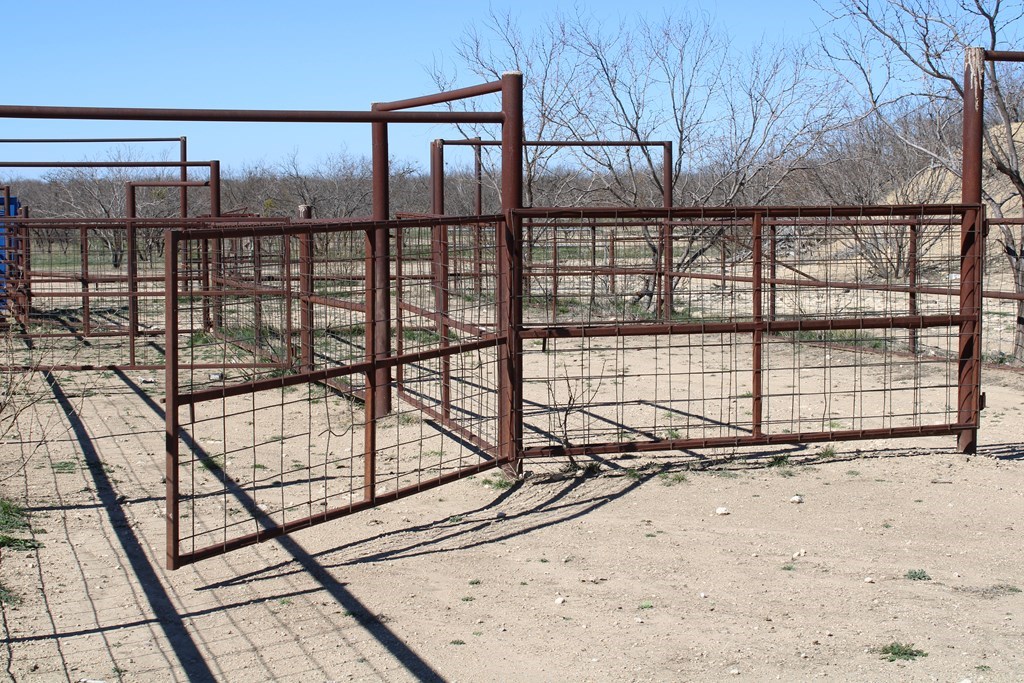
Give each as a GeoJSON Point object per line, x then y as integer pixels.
{"type": "Point", "coordinates": [26, 269]}
{"type": "Point", "coordinates": [171, 242]}
{"type": "Point", "coordinates": [183, 175]}
{"type": "Point", "coordinates": [510, 263]}
{"type": "Point", "coordinates": [306, 300]}
{"type": "Point", "coordinates": [666, 201]}
{"type": "Point", "coordinates": [381, 262]}
{"type": "Point", "coordinates": [440, 271]}
{"type": "Point", "coordinates": [912, 284]}
{"type": "Point", "coordinates": [773, 254]}
{"type": "Point", "coordinates": [133, 273]}
{"type": "Point", "coordinates": [968, 396]}
{"type": "Point", "coordinates": [478, 252]}
{"type": "Point", "coordinates": [83, 248]}
{"type": "Point", "coordinates": [758, 319]}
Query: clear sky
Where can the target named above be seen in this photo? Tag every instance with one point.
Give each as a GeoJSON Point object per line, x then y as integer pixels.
{"type": "Point", "coordinates": [273, 54]}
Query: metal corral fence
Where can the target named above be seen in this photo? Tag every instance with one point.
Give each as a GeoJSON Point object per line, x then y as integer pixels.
{"type": "Point", "coordinates": [608, 331]}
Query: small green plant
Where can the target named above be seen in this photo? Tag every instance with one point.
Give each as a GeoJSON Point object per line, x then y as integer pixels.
{"type": "Point", "coordinates": [788, 567]}
{"type": "Point", "coordinates": [746, 394]}
{"type": "Point", "coordinates": [455, 519]}
{"type": "Point", "coordinates": [12, 516]}
{"type": "Point", "coordinates": [983, 667]}
{"type": "Point", "coordinates": [7, 596]}
{"type": "Point", "coordinates": [633, 474]}
{"type": "Point", "coordinates": [672, 434]}
{"type": "Point", "coordinates": [498, 482]}
{"type": "Point", "coordinates": [18, 543]}
{"type": "Point", "coordinates": [646, 604]}
{"type": "Point", "coordinates": [853, 473]}
{"type": "Point", "coordinates": [827, 452]}
{"type": "Point", "coordinates": [779, 460]}
{"type": "Point", "coordinates": [917, 575]}
{"type": "Point", "coordinates": [458, 642]}
{"type": "Point", "coordinates": [64, 466]}
{"type": "Point", "coordinates": [543, 560]}
{"type": "Point", "coordinates": [886, 525]}
{"type": "Point", "coordinates": [468, 598]}
{"type": "Point", "coordinates": [672, 478]}
{"type": "Point", "coordinates": [285, 602]}
{"type": "Point", "coordinates": [894, 651]}
{"type": "Point", "coordinates": [474, 582]}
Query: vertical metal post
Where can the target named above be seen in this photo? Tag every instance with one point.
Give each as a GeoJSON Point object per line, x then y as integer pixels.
{"type": "Point", "coordinates": [25, 244]}
{"type": "Point", "coordinates": [554, 275]}
{"type": "Point", "coordinates": [83, 236]}
{"type": "Point", "coordinates": [133, 273]}
{"type": "Point", "coordinates": [758, 319]}
{"type": "Point", "coordinates": [381, 262]}
{"type": "Point", "coordinates": [666, 191]}
{"type": "Point", "coordinates": [912, 284]}
{"type": "Point", "coordinates": [968, 395]}
{"type": "Point", "coordinates": [666, 267]}
{"type": "Point", "coordinates": [305, 300]}
{"type": "Point", "coordinates": [183, 147]}
{"type": "Point", "coordinates": [478, 255]}
{"type": "Point", "coordinates": [215, 266]}
{"type": "Point", "coordinates": [171, 242]}
{"type": "Point", "coordinates": [509, 260]}
{"type": "Point", "coordinates": [440, 271]}
{"type": "Point", "coordinates": [773, 254]}
{"type": "Point", "coordinates": [593, 265]}
{"type": "Point", "coordinates": [478, 171]}
{"type": "Point", "coordinates": [611, 260]}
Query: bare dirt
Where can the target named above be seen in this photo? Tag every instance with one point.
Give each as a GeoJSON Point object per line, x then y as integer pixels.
{"type": "Point", "coordinates": [620, 575]}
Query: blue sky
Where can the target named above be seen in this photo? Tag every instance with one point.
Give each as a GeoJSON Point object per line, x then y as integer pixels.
{"type": "Point", "coordinates": [313, 54]}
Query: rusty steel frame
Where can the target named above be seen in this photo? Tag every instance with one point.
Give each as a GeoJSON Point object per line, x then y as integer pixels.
{"type": "Point", "coordinates": [509, 330]}
{"type": "Point", "coordinates": [380, 360]}
{"type": "Point", "coordinates": [26, 276]}
{"type": "Point", "coordinates": [968, 320]}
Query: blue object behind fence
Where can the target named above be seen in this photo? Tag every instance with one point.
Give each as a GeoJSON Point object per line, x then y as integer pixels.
{"type": "Point", "coordinates": [5, 246]}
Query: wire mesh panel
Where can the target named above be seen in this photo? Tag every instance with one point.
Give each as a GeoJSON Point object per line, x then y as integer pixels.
{"type": "Point", "coordinates": [1004, 293]}
{"type": "Point", "coordinates": [89, 293]}
{"type": "Point", "coordinates": [702, 328]}
{"type": "Point", "coordinates": [289, 430]}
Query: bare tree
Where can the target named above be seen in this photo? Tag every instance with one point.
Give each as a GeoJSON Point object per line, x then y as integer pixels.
{"type": "Point", "coordinates": [907, 55]}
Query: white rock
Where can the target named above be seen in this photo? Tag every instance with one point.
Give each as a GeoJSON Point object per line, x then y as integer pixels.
{"type": "Point", "coordinates": [722, 511]}
{"type": "Point", "coordinates": [559, 600]}
{"type": "Point", "coordinates": [796, 499]}
{"type": "Point", "coordinates": [703, 595]}
{"type": "Point", "coordinates": [869, 579]}
{"type": "Point", "coordinates": [734, 672]}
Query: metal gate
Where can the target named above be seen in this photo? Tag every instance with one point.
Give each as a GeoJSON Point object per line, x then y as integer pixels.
{"type": "Point", "coordinates": [319, 369]}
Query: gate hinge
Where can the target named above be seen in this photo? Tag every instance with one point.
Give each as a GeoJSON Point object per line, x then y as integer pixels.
{"type": "Point", "coordinates": [982, 401]}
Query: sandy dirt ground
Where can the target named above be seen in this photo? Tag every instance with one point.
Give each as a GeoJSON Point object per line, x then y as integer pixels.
{"type": "Point", "coordinates": [626, 574]}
